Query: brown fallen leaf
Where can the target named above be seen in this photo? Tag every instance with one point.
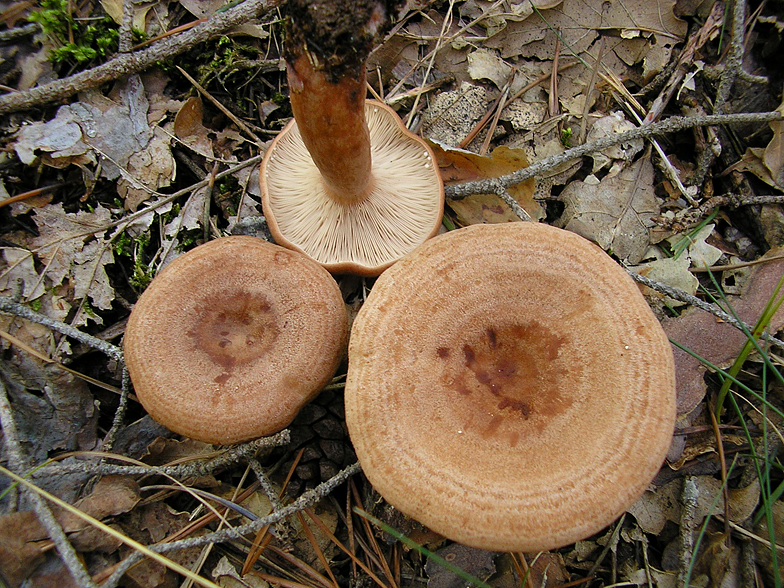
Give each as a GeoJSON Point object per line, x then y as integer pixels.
{"type": "Point", "coordinates": [654, 509]}
{"type": "Point", "coordinates": [752, 161]}
{"type": "Point", "coordinates": [24, 541]}
{"type": "Point", "coordinates": [189, 129]}
{"type": "Point", "coordinates": [19, 554]}
{"type": "Point", "coordinates": [720, 561]}
{"type": "Point", "coordinates": [716, 341]}
{"type": "Point", "coordinates": [457, 165]}
{"type": "Point", "coordinates": [774, 152]}
{"type": "Point", "coordinates": [616, 213]}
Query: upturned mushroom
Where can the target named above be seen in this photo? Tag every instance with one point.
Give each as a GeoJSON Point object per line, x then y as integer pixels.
{"type": "Point", "coordinates": [231, 339]}
{"type": "Point", "coordinates": [509, 387]}
{"type": "Point", "coordinates": [345, 182]}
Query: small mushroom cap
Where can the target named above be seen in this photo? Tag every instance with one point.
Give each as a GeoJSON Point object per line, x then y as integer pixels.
{"type": "Point", "coordinates": [231, 339]}
{"type": "Point", "coordinates": [509, 387]}
{"type": "Point", "coordinates": [346, 234]}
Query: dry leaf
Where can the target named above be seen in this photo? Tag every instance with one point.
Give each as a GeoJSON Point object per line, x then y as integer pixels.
{"type": "Point", "coordinates": [618, 155]}
{"type": "Point", "coordinates": [477, 562]}
{"type": "Point", "coordinates": [716, 341]}
{"type": "Point", "coordinates": [764, 559]}
{"type": "Point", "coordinates": [114, 8]}
{"type": "Point", "coordinates": [227, 576]}
{"type": "Point", "coordinates": [189, 129]}
{"type": "Point", "coordinates": [60, 137]}
{"type": "Point", "coordinates": [457, 165]}
{"type": "Point", "coordinates": [453, 114]}
{"type": "Point", "coordinates": [655, 508]}
{"type": "Point", "coordinates": [752, 161]}
{"type": "Point", "coordinates": [616, 213]}
{"type": "Point", "coordinates": [484, 64]}
{"type": "Point", "coordinates": [579, 22]}
{"type": "Point", "coordinates": [720, 561]}
{"type": "Point", "coordinates": [62, 249]}
{"type": "Point", "coordinates": [202, 8]}
{"type": "Point", "coordinates": [19, 555]}
{"type": "Point", "coordinates": [53, 411]}
{"type": "Point", "coordinates": [20, 265]}
{"type": "Point", "coordinates": [20, 531]}
{"type": "Point", "coordinates": [774, 152]}
{"type": "Point", "coordinates": [673, 271]}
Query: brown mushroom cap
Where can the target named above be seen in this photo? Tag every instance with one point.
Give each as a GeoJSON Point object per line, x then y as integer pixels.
{"type": "Point", "coordinates": [365, 234]}
{"type": "Point", "coordinates": [509, 387]}
{"type": "Point", "coordinates": [232, 338]}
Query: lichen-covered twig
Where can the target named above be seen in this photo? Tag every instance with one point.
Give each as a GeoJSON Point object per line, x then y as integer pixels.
{"type": "Point", "coordinates": [729, 75]}
{"type": "Point", "coordinates": [125, 64]}
{"type": "Point", "coordinates": [682, 296]}
{"type": "Point", "coordinates": [16, 463]}
{"type": "Point", "coordinates": [192, 469]}
{"type": "Point", "coordinates": [670, 125]}
{"type": "Point", "coordinates": [10, 306]}
{"type": "Point", "coordinates": [119, 414]}
{"type": "Point", "coordinates": [306, 500]}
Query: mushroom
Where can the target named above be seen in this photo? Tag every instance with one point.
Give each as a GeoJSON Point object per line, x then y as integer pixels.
{"type": "Point", "coordinates": [509, 387]}
{"type": "Point", "coordinates": [345, 182]}
{"type": "Point", "coordinates": [231, 339]}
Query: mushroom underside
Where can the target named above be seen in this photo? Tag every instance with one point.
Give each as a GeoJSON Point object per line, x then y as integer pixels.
{"type": "Point", "coordinates": [401, 210]}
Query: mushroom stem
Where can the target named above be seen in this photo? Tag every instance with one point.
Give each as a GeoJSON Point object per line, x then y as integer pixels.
{"type": "Point", "coordinates": [331, 120]}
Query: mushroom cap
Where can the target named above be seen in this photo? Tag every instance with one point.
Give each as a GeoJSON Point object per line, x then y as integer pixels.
{"type": "Point", "coordinates": [362, 235]}
{"type": "Point", "coordinates": [509, 387]}
{"type": "Point", "coordinates": [231, 339]}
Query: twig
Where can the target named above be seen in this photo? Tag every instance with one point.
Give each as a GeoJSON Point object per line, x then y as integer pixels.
{"type": "Point", "coordinates": [684, 61]}
{"type": "Point", "coordinates": [728, 77]}
{"type": "Point", "coordinates": [694, 216]}
{"type": "Point", "coordinates": [128, 63]}
{"type": "Point", "coordinates": [125, 42]}
{"type": "Point", "coordinates": [444, 27]}
{"type": "Point", "coordinates": [193, 469]}
{"type": "Point", "coordinates": [40, 508]}
{"type": "Point", "coordinates": [499, 108]}
{"type": "Point", "coordinates": [16, 32]}
{"type": "Point", "coordinates": [119, 414]}
{"type": "Point", "coordinates": [14, 453]}
{"type": "Point", "coordinates": [682, 296]}
{"type": "Point", "coordinates": [307, 499]}
{"type": "Point", "coordinates": [486, 118]}
{"type": "Point", "coordinates": [9, 306]}
{"type": "Point", "coordinates": [689, 497]}
{"type": "Point", "coordinates": [518, 210]}
{"type": "Point", "coordinates": [418, 91]}
{"type": "Point", "coordinates": [670, 125]}
{"type": "Point", "coordinates": [590, 89]}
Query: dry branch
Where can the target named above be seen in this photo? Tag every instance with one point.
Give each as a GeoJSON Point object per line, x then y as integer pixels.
{"type": "Point", "coordinates": [129, 63]}
{"type": "Point", "coordinates": [670, 125]}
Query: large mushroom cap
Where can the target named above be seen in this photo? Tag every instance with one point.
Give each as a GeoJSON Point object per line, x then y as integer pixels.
{"type": "Point", "coordinates": [509, 387]}
{"type": "Point", "coordinates": [232, 338]}
{"type": "Point", "coordinates": [357, 235]}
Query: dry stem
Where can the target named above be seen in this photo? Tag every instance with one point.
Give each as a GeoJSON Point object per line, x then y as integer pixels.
{"type": "Point", "coordinates": [125, 64]}
{"type": "Point", "coordinates": [670, 125]}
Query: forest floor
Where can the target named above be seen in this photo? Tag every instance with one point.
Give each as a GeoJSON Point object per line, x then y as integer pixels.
{"type": "Point", "coordinates": [133, 131]}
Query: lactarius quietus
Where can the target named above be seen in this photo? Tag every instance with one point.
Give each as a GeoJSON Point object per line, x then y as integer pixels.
{"type": "Point", "coordinates": [345, 182]}
{"type": "Point", "coordinates": [509, 387]}
{"type": "Point", "coordinates": [231, 339]}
